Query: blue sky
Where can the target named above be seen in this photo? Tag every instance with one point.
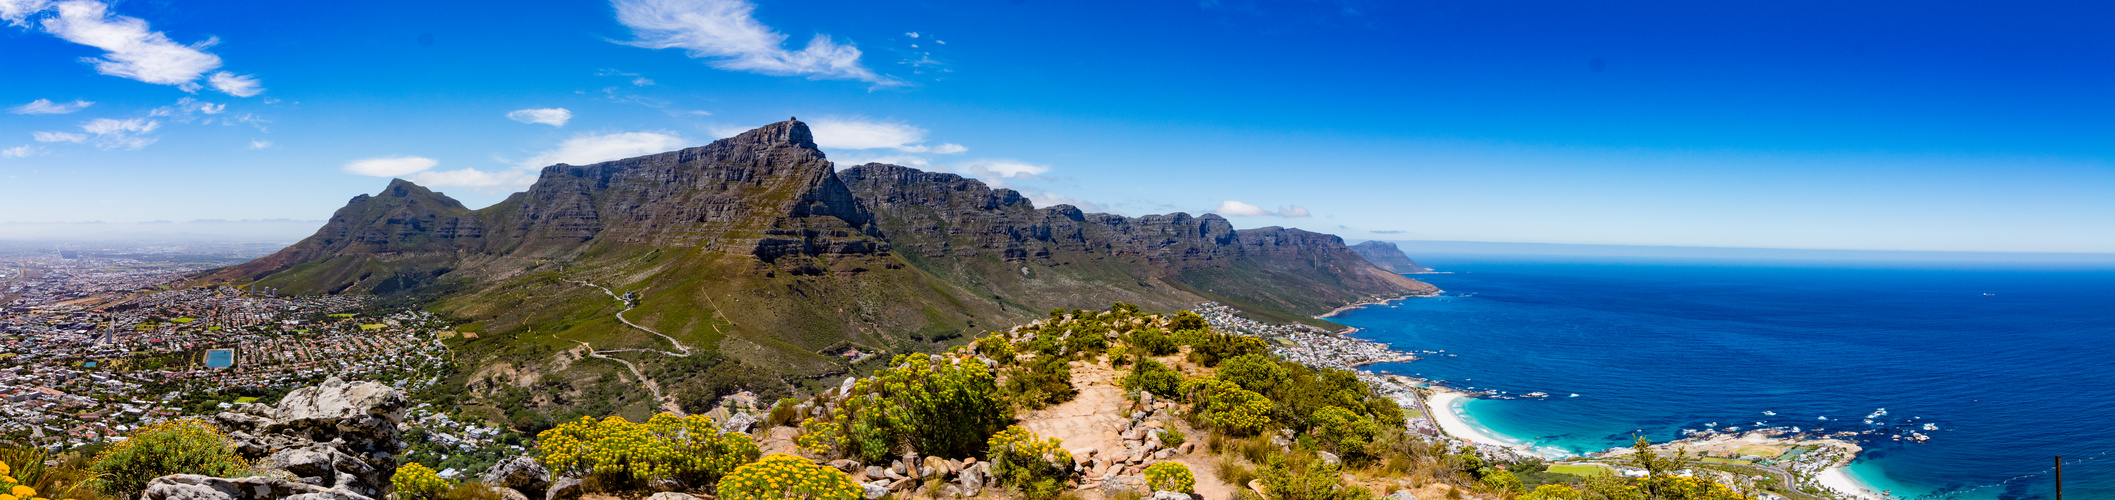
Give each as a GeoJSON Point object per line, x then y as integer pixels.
{"type": "Point", "coordinates": [1895, 126]}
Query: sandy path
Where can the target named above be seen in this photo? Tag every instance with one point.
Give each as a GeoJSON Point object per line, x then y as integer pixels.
{"type": "Point", "coordinates": [1095, 418]}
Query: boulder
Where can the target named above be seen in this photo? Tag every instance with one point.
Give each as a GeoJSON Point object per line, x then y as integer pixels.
{"type": "Point", "coordinates": [876, 472]}
{"type": "Point", "coordinates": [671, 495]}
{"type": "Point", "coordinates": [1187, 447]}
{"type": "Point", "coordinates": [563, 488]}
{"type": "Point", "coordinates": [508, 493]}
{"type": "Point", "coordinates": [739, 423]}
{"type": "Point", "coordinates": [197, 487]}
{"type": "Point", "coordinates": [1115, 485]}
{"type": "Point", "coordinates": [1145, 399]}
{"type": "Point", "coordinates": [849, 466]}
{"type": "Point", "coordinates": [1170, 495]}
{"type": "Point", "coordinates": [1329, 458]}
{"type": "Point", "coordinates": [875, 490]}
{"type": "Point", "coordinates": [971, 481]}
{"type": "Point", "coordinates": [1402, 495]}
{"type": "Point", "coordinates": [339, 434]}
{"type": "Point", "coordinates": [933, 465]}
{"type": "Point", "coordinates": [521, 472]}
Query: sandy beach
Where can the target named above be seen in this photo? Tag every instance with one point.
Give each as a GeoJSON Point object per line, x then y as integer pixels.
{"type": "Point", "coordinates": [1435, 293]}
{"type": "Point", "coordinates": [1441, 406]}
{"type": "Point", "coordinates": [1836, 478]}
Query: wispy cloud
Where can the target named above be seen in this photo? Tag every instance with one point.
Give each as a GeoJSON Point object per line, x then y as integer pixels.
{"type": "Point", "coordinates": [390, 166]}
{"type": "Point", "coordinates": [1003, 169]}
{"type": "Point", "coordinates": [861, 133]}
{"type": "Point", "coordinates": [555, 117]}
{"type": "Point", "coordinates": [22, 151]}
{"type": "Point", "coordinates": [727, 32]}
{"type": "Point", "coordinates": [595, 148]}
{"type": "Point", "coordinates": [638, 80]}
{"type": "Point", "coordinates": [481, 180]}
{"type": "Point", "coordinates": [1239, 209]}
{"type": "Point", "coordinates": [260, 144]}
{"type": "Point", "coordinates": [46, 107]}
{"type": "Point", "coordinates": [121, 134]}
{"type": "Point", "coordinates": [131, 49]}
{"type": "Point", "coordinates": [59, 137]}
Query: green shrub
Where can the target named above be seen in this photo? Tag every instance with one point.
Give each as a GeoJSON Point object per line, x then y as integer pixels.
{"type": "Point", "coordinates": [939, 405]}
{"type": "Point", "coordinates": [782, 414]}
{"type": "Point", "coordinates": [1227, 406]}
{"type": "Point", "coordinates": [1255, 372]}
{"type": "Point", "coordinates": [1170, 476]}
{"type": "Point", "coordinates": [1499, 480]}
{"type": "Point", "coordinates": [1319, 482]}
{"type": "Point", "coordinates": [1152, 342]}
{"type": "Point", "coordinates": [187, 446]}
{"type": "Point", "coordinates": [1040, 382]}
{"type": "Point", "coordinates": [620, 454]}
{"type": "Point", "coordinates": [1151, 376]}
{"type": "Point", "coordinates": [1187, 320]}
{"type": "Point", "coordinates": [1172, 438]}
{"type": "Point", "coordinates": [1344, 432]}
{"type": "Point", "coordinates": [782, 476]}
{"type": "Point", "coordinates": [1208, 348]}
{"type": "Point", "coordinates": [1030, 464]}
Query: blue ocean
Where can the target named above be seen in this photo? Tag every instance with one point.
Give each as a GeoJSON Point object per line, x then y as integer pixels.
{"type": "Point", "coordinates": [2014, 364]}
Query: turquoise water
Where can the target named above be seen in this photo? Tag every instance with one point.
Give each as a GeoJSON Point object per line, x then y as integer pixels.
{"type": "Point", "coordinates": [220, 358]}
{"type": "Point", "coordinates": [2011, 378]}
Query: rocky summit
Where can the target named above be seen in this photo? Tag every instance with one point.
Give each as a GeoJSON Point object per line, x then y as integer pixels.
{"type": "Point", "coordinates": [336, 441]}
{"type": "Point", "coordinates": [755, 250]}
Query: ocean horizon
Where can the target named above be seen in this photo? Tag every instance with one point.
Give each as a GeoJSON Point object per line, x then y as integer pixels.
{"type": "Point", "coordinates": [2000, 358]}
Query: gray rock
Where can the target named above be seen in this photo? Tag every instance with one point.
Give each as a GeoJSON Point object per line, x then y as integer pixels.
{"type": "Point", "coordinates": [740, 422]}
{"type": "Point", "coordinates": [950, 491]}
{"type": "Point", "coordinates": [847, 465]}
{"type": "Point", "coordinates": [1145, 399]}
{"type": "Point", "coordinates": [663, 484]}
{"type": "Point", "coordinates": [196, 487]}
{"type": "Point", "coordinates": [1086, 453]}
{"type": "Point", "coordinates": [343, 435]}
{"type": "Point", "coordinates": [901, 484]}
{"type": "Point", "coordinates": [563, 488]}
{"type": "Point", "coordinates": [1170, 495]}
{"type": "Point", "coordinates": [875, 490]}
{"type": "Point", "coordinates": [508, 493]}
{"type": "Point", "coordinates": [1402, 495]}
{"type": "Point", "coordinates": [1329, 458]}
{"type": "Point", "coordinates": [972, 482]}
{"type": "Point", "coordinates": [670, 495]}
{"type": "Point", "coordinates": [1115, 485]}
{"type": "Point", "coordinates": [1163, 454]}
{"type": "Point", "coordinates": [876, 472]}
{"type": "Point", "coordinates": [519, 472]}
{"type": "Point", "coordinates": [1187, 447]}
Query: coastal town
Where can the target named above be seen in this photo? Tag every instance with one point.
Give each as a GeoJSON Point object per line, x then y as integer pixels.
{"type": "Point", "coordinates": [92, 346]}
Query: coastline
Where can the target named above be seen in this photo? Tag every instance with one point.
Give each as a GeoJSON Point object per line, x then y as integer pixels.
{"type": "Point", "coordinates": [1443, 408]}
{"type": "Point", "coordinates": [1840, 479]}
{"type": "Point", "coordinates": [1376, 302]}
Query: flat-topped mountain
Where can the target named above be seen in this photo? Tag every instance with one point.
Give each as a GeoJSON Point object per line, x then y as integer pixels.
{"type": "Point", "coordinates": [754, 249]}
{"type": "Point", "coordinates": [1387, 256]}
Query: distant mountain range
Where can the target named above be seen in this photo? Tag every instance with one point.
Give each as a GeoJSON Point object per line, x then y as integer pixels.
{"type": "Point", "coordinates": [1387, 256]}
{"type": "Point", "coordinates": [756, 248]}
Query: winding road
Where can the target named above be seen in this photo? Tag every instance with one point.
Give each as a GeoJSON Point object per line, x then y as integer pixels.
{"type": "Point", "coordinates": [667, 404]}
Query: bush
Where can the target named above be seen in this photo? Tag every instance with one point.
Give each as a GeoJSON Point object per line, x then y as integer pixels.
{"type": "Point", "coordinates": [939, 405]}
{"type": "Point", "coordinates": [1499, 480]}
{"type": "Point", "coordinates": [996, 347]}
{"type": "Point", "coordinates": [782, 476]}
{"type": "Point", "coordinates": [1553, 492]}
{"type": "Point", "coordinates": [1034, 466]}
{"type": "Point", "coordinates": [63, 481]}
{"type": "Point", "coordinates": [691, 450]}
{"type": "Point", "coordinates": [187, 446]}
{"type": "Point", "coordinates": [416, 481]}
{"type": "Point", "coordinates": [1227, 406]}
{"type": "Point", "coordinates": [1172, 438]}
{"type": "Point", "coordinates": [781, 413]}
{"type": "Point", "coordinates": [1153, 377]}
{"type": "Point", "coordinates": [1170, 476]}
{"type": "Point", "coordinates": [1255, 372]}
{"type": "Point", "coordinates": [1040, 382]}
{"type": "Point", "coordinates": [1187, 320]}
{"type": "Point", "coordinates": [1316, 483]}
{"type": "Point", "coordinates": [1152, 342]}
{"type": "Point", "coordinates": [1344, 432]}
{"type": "Point", "coordinates": [1208, 348]}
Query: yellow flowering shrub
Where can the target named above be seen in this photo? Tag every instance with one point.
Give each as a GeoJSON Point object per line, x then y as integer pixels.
{"type": "Point", "coordinates": [1553, 492]}
{"type": "Point", "coordinates": [689, 449]}
{"type": "Point", "coordinates": [1227, 406]}
{"type": "Point", "coordinates": [1034, 465]}
{"type": "Point", "coordinates": [821, 438]}
{"type": "Point", "coordinates": [782, 476]}
{"type": "Point", "coordinates": [1171, 476]}
{"type": "Point", "coordinates": [187, 446]}
{"type": "Point", "coordinates": [416, 481]}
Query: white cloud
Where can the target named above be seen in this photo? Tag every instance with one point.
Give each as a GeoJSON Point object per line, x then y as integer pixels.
{"type": "Point", "coordinates": [1006, 169]}
{"type": "Point", "coordinates": [236, 85]}
{"type": "Point", "coordinates": [588, 148]}
{"type": "Point", "coordinates": [1231, 207]}
{"type": "Point", "coordinates": [474, 178]}
{"type": "Point", "coordinates": [913, 34]}
{"type": "Point", "coordinates": [59, 137]}
{"type": "Point", "coordinates": [856, 133]}
{"type": "Point", "coordinates": [912, 161]}
{"type": "Point", "coordinates": [22, 151]}
{"type": "Point", "coordinates": [132, 50]}
{"type": "Point", "coordinates": [390, 166]}
{"type": "Point", "coordinates": [1047, 200]}
{"type": "Point", "coordinates": [1235, 208]}
{"type": "Point", "coordinates": [555, 117]}
{"type": "Point", "coordinates": [46, 107]}
{"type": "Point", "coordinates": [17, 12]}
{"type": "Point", "coordinates": [728, 32]}
{"type": "Point", "coordinates": [121, 134]}
{"type": "Point", "coordinates": [949, 148]}
{"type": "Point", "coordinates": [260, 144]}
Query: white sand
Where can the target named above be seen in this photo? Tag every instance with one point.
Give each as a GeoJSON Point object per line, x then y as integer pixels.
{"type": "Point", "coordinates": [1445, 412]}
{"type": "Point", "coordinates": [1836, 478]}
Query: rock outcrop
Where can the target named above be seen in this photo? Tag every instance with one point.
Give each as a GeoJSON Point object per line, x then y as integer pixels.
{"type": "Point", "coordinates": [1387, 256]}
{"type": "Point", "coordinates": [333, 441]}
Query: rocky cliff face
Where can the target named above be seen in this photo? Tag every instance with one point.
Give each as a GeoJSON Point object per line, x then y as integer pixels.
{"type": "Point", "coordinates": [1387, 256]}
{"type": "Point", "coordinates": [336, 441]}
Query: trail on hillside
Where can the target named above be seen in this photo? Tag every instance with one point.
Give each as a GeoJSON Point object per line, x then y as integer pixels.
{"type": "Point", "coordinates": [667, 404]}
